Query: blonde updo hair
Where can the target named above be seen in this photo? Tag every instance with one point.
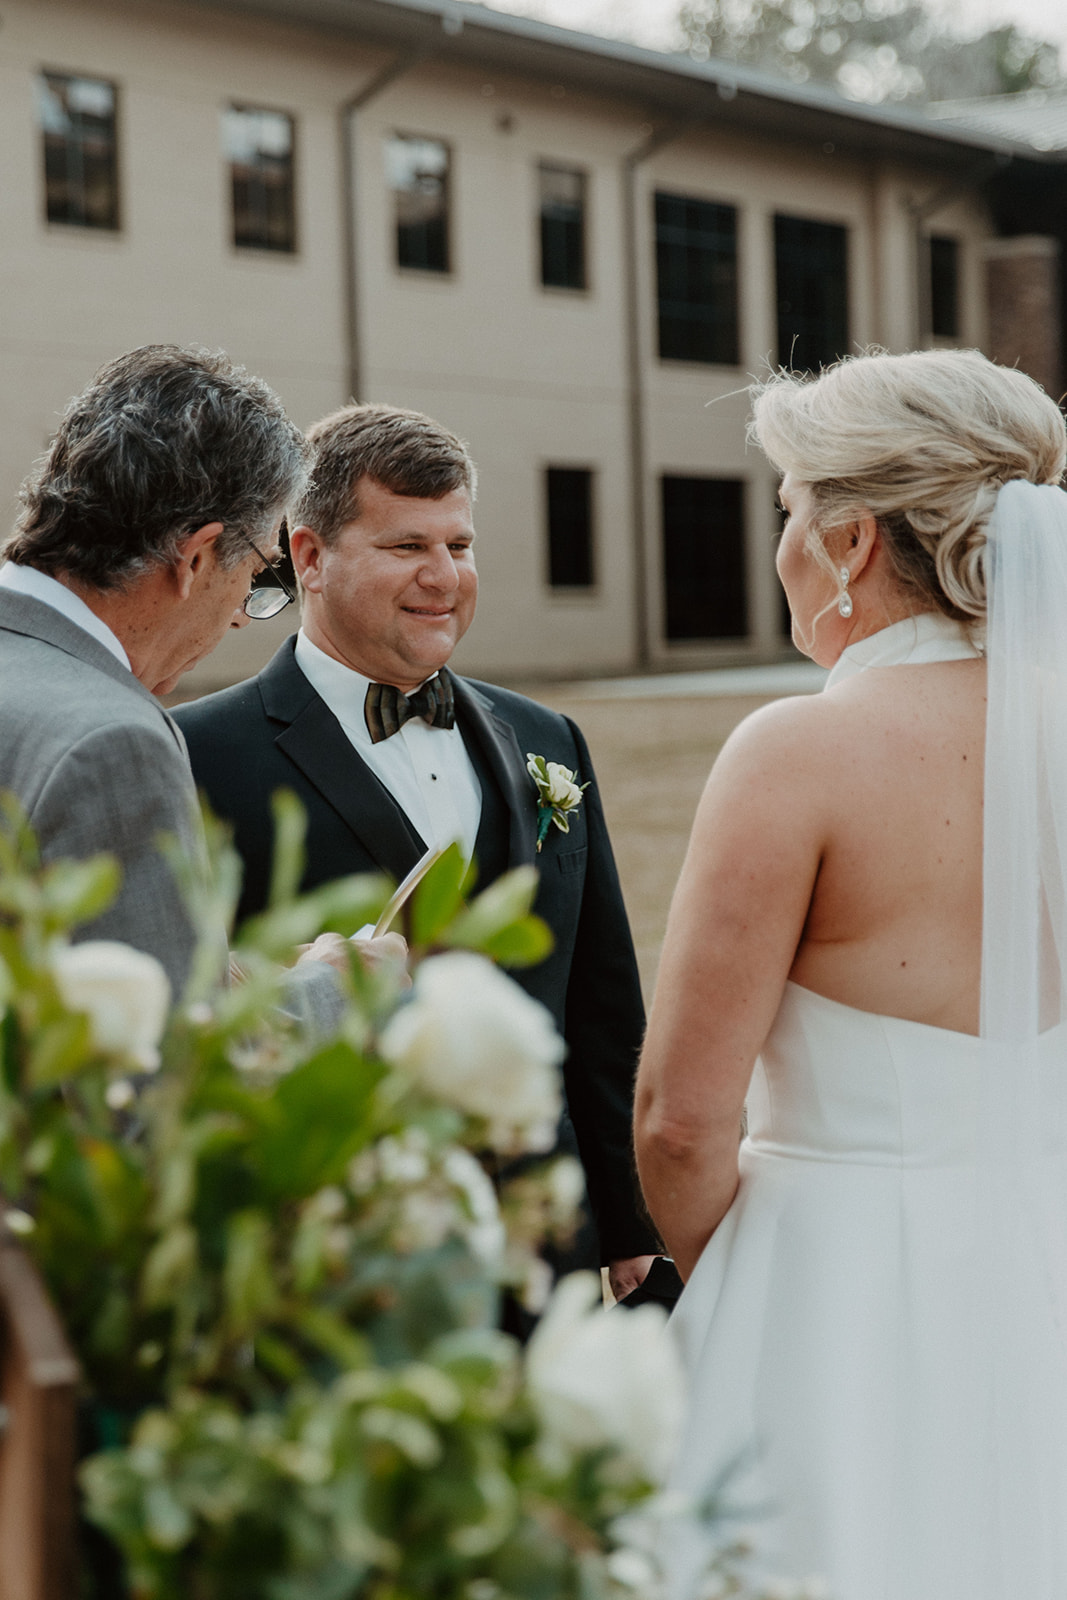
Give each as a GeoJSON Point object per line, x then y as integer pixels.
{"type": "Point", "coordinates": [922, 442]}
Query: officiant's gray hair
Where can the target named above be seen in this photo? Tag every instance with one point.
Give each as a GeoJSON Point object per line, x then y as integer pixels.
{"type": "Point", "coordinates": [164, 440]}
{"type": "Point", "coordinates": [921, 442]}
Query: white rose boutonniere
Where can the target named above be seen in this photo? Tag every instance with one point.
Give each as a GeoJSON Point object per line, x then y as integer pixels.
{"type": "Point", "coordinates": [557, 794]}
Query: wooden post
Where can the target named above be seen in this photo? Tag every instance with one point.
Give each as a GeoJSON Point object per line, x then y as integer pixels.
{"type": "Point", "coordinates": [38, 1390]}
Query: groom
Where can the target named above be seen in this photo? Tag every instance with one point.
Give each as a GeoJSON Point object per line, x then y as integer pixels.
{"type": "Point", "coordinates": [390, 752]}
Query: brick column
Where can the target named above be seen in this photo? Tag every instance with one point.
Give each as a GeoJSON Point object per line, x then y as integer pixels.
{"type": "Point", "coordinates": [1023, 299]}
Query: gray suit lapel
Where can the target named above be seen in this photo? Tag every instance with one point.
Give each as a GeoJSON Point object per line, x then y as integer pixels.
{"type": "Point", "coordinates": [20, 613]}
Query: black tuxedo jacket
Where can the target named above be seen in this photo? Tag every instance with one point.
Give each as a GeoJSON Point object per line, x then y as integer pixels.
{"type": "Point", "coordinates": [274, 731]}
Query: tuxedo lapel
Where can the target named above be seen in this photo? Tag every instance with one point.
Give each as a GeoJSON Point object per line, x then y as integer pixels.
{"type": "Point", "coordinates": [311, 738]}
{"type": "Point", "coordinates": [493, 739]}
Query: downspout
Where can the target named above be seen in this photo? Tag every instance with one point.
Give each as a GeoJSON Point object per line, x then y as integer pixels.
{"type": "Point", "coordinates": [920, 211]}
{"type": "Point", "coordinates": [346, 130]}
{"type": "Point", "coordinates": [635, 379]}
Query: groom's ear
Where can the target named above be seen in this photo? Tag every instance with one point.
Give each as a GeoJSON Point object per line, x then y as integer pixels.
{"type": "Point", "coordinates": [863, 540]}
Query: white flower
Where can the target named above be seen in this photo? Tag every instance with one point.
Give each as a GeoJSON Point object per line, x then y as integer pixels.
{"type": "Point", "coordinates": [124, 992]}
{"type": "Point", "coordinates": [472, 1038]}
{"type": "Point", "coordinates": [606, 1378]}
{"type": "Point", "coordinates": [558, 794]}
{"type": "Point", "coordinates": [484, 1232]}
{"type": "Point", "coordinates": [565, 1182]}
{"type": "Point", "coordinates": [562, 789]}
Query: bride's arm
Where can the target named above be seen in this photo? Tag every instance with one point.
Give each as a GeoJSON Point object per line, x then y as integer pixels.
{"type": "Point", "coordinates": [736, 919]}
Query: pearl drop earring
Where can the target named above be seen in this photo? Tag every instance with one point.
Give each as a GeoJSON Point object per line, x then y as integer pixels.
{"type": "Point", "coordinates": [844, 603]}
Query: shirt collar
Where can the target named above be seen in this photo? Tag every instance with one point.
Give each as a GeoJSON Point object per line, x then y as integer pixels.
{"type": "Point", "coordinates": [20, 579]}
{"type": "Point", "coordinates": [342, 687]}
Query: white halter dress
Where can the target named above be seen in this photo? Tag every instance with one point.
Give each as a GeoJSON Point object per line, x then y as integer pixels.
{"type": "Point", "coordinates": [840, 1403]}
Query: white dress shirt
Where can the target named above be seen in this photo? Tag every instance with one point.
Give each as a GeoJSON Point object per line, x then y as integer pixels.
{"type": "Point", "coordinates": [39, 586]}
{"type": "Point", "coordinates": [426, 770]}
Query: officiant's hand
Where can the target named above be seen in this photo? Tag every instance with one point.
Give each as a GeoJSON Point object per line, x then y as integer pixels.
{"type": "Point", "coordinates": [336, 951]}
{"type": "Point", "coordinates": [626, 1274]}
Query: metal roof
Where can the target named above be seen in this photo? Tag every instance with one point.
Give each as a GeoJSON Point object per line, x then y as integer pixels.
{"type": "Point", "coordinates": [668, 87]}
{"type": "Point", "coordinates": [1036, 119]}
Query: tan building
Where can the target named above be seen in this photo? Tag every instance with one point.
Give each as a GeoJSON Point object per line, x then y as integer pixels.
{"type": "Point", "coordinates": [574, 252]}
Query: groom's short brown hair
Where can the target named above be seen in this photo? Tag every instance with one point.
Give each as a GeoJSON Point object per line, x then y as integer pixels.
{"type": "Point", "coordinates": [405, 452]}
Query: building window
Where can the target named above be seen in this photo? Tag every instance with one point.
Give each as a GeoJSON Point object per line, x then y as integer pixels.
{"type": "Point", "coordinates": [944, 287]}
{"type": "Point", "coordinates": [562, 227]}
{"type": "Point", "coordinates": [696, 280]}
{"type": "Point", "coordinates": [81, 169]}
{"type": "Point", "coordinates": [258, 146]}
{"type": "Point", "coordinates": [704, 558]}
{"type": "Point", "coordinates": [569, 502]}
{"type": "Point", "coordinates": [811, 266]}
{"type": "Point", "coordinates": [418, 171]}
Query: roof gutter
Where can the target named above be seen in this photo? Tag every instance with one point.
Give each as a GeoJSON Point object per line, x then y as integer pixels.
{"type": "Point", "coordinates": [402, 63]}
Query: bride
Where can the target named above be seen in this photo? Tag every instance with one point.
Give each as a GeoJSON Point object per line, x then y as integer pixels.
{"type": "Point", "coordinates": [867, 947]}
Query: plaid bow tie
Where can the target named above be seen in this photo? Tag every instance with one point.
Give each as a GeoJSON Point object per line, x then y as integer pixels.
{"type": "Point", "coordinates": [386, 709]}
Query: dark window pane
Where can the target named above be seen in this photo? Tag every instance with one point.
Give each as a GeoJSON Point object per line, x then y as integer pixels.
{"type": "Point", "coordinates": [696, 280]}
{"type": "Point", "coordinates": [811, 263]}
{"type": "Point", "coordinates": [81, 177]}
{"type": "Point", "coordinates": [944, 287]}
{"type": "Point", "coordinates": [418, 176]}
{"type": "Point", "coordinates": [259, 148]}
{"type": "Point", "coordinates": [570, 527]}
{"type": "Point", "coordinates": [704, 558]}
{"type": "Point", "coordinates": [562, 228]}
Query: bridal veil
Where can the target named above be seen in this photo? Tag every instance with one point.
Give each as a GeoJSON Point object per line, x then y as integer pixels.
{"type": "Point", "coordinates": [1020, 1344]}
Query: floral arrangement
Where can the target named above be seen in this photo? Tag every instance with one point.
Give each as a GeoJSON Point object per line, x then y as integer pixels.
{"type": "Point", "coordinates": [280, 1261]}
{"type": "Point", "coordinates": [558, 794]}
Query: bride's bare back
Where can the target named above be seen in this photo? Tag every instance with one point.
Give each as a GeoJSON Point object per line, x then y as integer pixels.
{"type": "Point", "coordinates": [894, 924]}
{"type": "Point", "coordinates": [838, 843]}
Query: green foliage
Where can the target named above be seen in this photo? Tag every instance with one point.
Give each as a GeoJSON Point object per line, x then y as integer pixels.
{"type": "Point", "coordinates": [871, 50]}
{"type": "Point", "coordinates": [280, 1265]}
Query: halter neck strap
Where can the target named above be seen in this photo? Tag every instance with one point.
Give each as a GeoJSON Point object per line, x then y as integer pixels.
{"type": "Point", "coordinates": [929, 636]}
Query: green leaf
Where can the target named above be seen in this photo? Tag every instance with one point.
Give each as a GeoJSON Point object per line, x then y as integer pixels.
{"type": "Point", "coordinates": [522, 944]}
{"type": "Point", "coordinates": [438, 898]}
{"type": "Point", "coordinates": [169, 1265]}
{"type": "Point", "coordinates": [277, 1357]}
{"type": "Point", "coordinates": [247, 1278]}
{"type": "Point", "coordinates": [77, 891]}
{"type": "Point", "coordinates": [168, 1523]}
{"type": "Point", "coordinates": [290, 830]}
{"type": "Point", "coordinates": [333, 1336]}
{"type": "Point", "coordinates": [344, 906]}
{"type": "Point", "coordinates": [59, 1050]}
{"type": "Point", "coordinates": [318, 1122]}
{"type": "Point", "coordinates": [504, 903]}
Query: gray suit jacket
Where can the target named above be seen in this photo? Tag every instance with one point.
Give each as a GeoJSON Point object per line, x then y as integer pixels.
{"type": "Point", "coordinates": [98, 765]}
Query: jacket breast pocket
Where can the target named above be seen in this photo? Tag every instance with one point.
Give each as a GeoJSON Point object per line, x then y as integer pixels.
{"type": "Point", "coordinates": [572, 860]}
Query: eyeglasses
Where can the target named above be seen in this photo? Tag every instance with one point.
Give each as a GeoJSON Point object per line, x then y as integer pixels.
{"type": "Point", "coordinates": [270, 593]}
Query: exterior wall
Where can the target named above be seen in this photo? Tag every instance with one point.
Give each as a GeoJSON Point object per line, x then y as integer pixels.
{"type": "Point", "coordinates": [529, 376]}
{"type": "Point", "coordinates": [74, 297]}
{"type": "Point", "coordinates": [1023, 276]}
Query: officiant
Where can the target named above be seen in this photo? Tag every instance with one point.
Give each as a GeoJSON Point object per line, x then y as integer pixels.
{"type": "Point", "coordinates": [390, 752]}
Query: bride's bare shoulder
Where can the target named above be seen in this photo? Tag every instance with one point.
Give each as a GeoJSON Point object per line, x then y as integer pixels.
{"type": "Point", "coordinates": [787, 729]}
{"type": "Point", "coordinates": [863, 720]}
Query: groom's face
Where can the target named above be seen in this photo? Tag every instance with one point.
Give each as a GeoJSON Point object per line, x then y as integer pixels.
{"type": "Point", "coordinates": [396, 591]}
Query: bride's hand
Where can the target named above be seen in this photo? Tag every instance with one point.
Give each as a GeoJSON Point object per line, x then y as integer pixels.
{"type": "Point", "coordinates": [627, 1274]}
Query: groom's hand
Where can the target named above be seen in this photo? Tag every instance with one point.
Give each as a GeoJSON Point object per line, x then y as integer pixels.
{"type": "Point", "coordinates": [627, 1274]}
